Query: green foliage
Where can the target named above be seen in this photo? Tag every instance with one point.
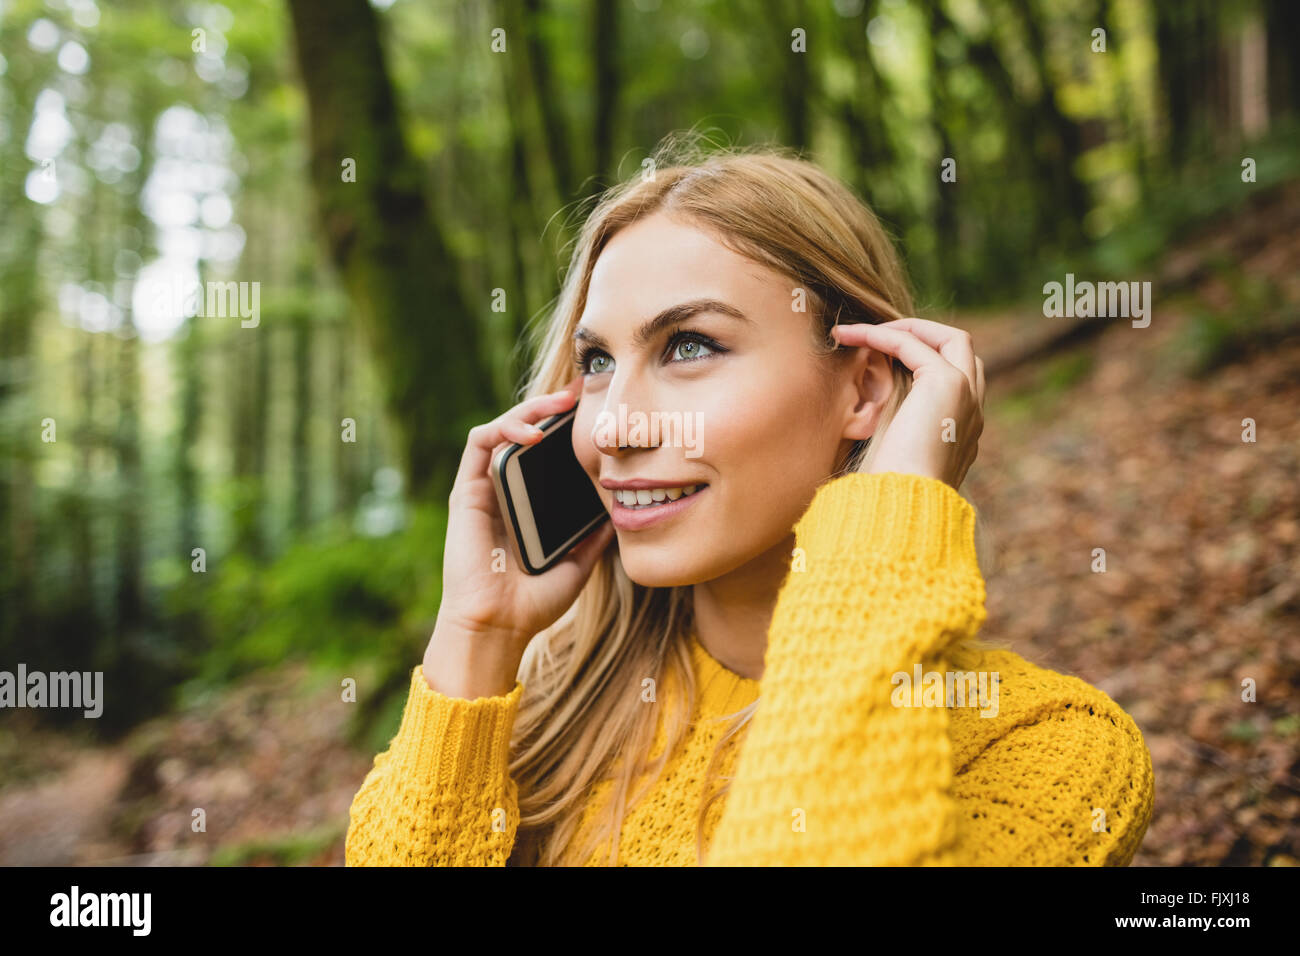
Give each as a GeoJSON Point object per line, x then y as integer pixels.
{"type": "Point", "coordinates": [1257, 318]}
{"type": "Point", "coordinates": [345, 602]}
{"type": "Point", "coordinates": [336, 598]}
{"type": "Point", "coordinates": [1287, 726]}
{"type": "Point", "coordinates": [1243, 731]}
{"type": "Point", "coordinates": [1063, 373]}
{"type": "Point", "coordinates": [1050, 383]}
{"type": "Point", "coordinates": [1203, 191]}
{"type": "Point", "coordinates": [289, 849]}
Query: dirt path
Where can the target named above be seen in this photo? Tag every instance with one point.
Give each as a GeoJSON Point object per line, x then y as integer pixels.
{"type": "Point", "coordinates": [64, 820]}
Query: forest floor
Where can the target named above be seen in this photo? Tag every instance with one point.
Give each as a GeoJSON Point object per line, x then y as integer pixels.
{"type": "Point", "coordinates": [1123, 443]}
{"type": "Point", "coordinates": [1128, 445]}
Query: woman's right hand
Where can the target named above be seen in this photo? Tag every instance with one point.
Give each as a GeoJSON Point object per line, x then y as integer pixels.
{"type": "Point", "coordinates": [487, 617]}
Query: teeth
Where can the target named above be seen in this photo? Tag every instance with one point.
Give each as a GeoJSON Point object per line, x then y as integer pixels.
{"type": "Point", "coordinates": [649, 497]}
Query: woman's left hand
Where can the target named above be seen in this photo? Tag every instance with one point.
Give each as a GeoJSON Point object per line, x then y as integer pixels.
{"type": "Point", "coordinates": [947, 383]}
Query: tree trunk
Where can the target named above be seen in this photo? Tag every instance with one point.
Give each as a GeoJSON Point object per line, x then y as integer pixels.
{"type": "Point", "coordinates": [20, 442]}
{"type": "Point", "coordinates": [299, 445]}
{"type": "Point", "coordinates": [796, 87]}
{"type": "Point", "coordinates": [605, 57]}
{"type": "Point", "coordinates": [383, 238]}
{"type": "Point", "coordinates": [1282, 22]}
{"type": "Point", "coordinates": [189, 370]}
{"type": "Point", "coordinates": [863, 121]}
{"type": "Point", "coordinates": [554, 127]}
{"type": "Point", "coordinates": [1064, 141]}
{"type": "Point", "coordinates": [347, 463]}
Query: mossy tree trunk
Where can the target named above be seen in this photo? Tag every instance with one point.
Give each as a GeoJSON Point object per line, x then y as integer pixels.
{"type": "Point", "coordinates": [383, 237]}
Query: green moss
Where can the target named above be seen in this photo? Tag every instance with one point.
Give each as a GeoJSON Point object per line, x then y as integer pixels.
{"type": "Point", "coordinates": [1257, 317]}
{"type": "Point", "coordinates": [1287, 726]}
{"type": "Point", "coordinates": [1244, 731]}
{"type": "Point", "coordinates": [1053, 379]}
{"type": "Point", "coordinates": [289, 849]}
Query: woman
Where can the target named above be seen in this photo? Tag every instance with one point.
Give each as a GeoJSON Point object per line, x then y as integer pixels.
{"type": "Point", "coordinates": [781, 665]}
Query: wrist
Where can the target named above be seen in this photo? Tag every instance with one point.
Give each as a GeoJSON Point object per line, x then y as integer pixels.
{"type": "Point", "coordinates": [469, 663]}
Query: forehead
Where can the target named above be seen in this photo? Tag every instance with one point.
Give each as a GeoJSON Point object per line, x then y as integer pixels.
{"type": "Point", "coordinates": [659, 261]}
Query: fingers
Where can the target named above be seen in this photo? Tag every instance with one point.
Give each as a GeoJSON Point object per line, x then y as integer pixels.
{"type": "Point", "coordinates": [953, 345]}
{"type": "Point", "coordinates": [515, 425]}
{"type": "Point", "coordinates": [905, 346]}
{"type": "Point", "coordinates": [979, 379]}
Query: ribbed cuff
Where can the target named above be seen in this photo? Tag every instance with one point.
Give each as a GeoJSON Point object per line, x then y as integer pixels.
{"type": "Point", "coordinates": [452, 741]}
{"type": "Point", "coordinates": [900, 517]}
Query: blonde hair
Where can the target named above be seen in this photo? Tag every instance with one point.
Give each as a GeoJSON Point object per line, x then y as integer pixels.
{"type": "Point", "coordinates": [582, 719]}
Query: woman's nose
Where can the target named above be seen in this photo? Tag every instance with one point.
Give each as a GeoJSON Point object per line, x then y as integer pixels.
{"type": "Point", "coordinates": [620, 424]}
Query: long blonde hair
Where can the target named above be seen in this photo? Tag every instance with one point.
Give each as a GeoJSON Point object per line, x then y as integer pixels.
{"type": "Point", "coordinates": [582, 719]}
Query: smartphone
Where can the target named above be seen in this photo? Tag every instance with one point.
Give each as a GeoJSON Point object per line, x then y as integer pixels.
{"type": "Point", "coordinates": [548, 501]}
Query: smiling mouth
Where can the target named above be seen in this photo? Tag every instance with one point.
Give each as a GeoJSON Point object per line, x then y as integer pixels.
{"type": "Point", "coordinates": [653, 497]}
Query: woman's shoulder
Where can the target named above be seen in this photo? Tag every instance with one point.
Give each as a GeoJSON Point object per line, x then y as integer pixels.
{"type": "Point", "coordinates": [1021, 693]}
{"type": "Point", "coordinates": [1054, 745]}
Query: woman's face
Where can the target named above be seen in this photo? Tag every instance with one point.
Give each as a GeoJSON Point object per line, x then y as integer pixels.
{"type": "Point", "coordinates": [744, 408]}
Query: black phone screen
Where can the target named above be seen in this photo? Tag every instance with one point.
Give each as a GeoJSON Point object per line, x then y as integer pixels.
{"type": "Point", "coordinates": [562, 496]}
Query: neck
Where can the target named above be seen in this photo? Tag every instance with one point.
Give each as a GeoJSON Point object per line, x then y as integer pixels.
{"type": "Point", "coordinates": [733, 612]}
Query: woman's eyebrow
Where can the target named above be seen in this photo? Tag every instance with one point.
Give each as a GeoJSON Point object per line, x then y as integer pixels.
{"type": "Point", "coordinates": [668, 317]}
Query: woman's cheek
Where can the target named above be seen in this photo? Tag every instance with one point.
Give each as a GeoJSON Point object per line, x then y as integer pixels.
{"type": "Point", "coordinates": [584, 447]}
{"type": "Point", "coordinates": [735, 426]}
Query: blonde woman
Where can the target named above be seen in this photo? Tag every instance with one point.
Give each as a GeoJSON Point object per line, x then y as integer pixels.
{"type": "Point", "coordinates": [754, 661]}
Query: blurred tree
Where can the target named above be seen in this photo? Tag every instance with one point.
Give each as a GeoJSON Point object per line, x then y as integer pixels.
{"type": "Point", "coordinates": [608, 83]}
{"type": "Point", "coordinates": [386, 243]}
{"type": "Point", "coordinates": [1282, 23]}
{"type": "Point", "coordinates": [20, 302]}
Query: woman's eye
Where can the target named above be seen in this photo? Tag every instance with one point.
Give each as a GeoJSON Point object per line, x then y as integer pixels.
{"type": "Point", "coordinates": [687, 349]}
{"type": "Point", "coordinates": [585, 361]}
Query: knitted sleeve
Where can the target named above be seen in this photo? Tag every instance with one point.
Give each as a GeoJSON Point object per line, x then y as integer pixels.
{"type": "Point", "coordinates": [840, 768]}
{"type": "Point", "coordinates": [440, 795]}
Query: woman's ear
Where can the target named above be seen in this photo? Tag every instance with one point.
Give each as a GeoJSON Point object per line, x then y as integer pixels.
{"type": "Point", "coordinates": [869, 383]}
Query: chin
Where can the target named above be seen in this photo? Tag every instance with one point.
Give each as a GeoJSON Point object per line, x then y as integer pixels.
{"type": "Point", "coordinates": [664, 567]}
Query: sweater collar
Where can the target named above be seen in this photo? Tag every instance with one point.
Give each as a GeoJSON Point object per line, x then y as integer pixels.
{"type": "Point", "coordinates": [719, 691]}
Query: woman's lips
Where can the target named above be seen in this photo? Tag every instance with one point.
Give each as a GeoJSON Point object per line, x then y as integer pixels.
{"type": "Point", "coordinates": [635, 519]}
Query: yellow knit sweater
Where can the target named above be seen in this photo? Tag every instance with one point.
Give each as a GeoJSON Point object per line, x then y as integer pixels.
{"type": "Point", "coordinates": [858, 753]}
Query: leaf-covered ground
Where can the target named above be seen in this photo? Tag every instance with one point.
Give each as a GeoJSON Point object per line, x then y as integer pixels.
{"type": "Point", "coordinates": [1200, 596]}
